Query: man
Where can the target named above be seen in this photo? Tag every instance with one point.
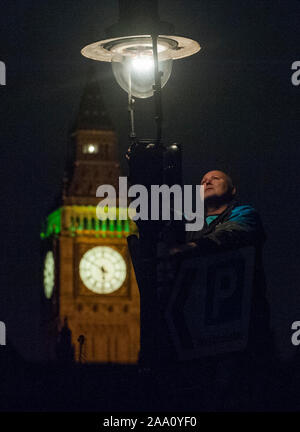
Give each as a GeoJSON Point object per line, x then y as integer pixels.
{"type": "Point", "coordinates": [229, 225]}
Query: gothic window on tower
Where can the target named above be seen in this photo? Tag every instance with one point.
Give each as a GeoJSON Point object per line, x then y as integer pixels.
{"type": "Point", "coordinates": [90, 148]}
{"type": "Point", "coordinates": [92, 189]}
{"type": "Point", "coordinates": [85, 223]}
{"type": "Point", "coordinates": [105, 151]}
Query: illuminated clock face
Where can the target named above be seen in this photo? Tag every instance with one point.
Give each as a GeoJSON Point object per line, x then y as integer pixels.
{"type": "Point", "coordinates": [102, 270]}
{"type": "Point", "coordinates": [49, 273]}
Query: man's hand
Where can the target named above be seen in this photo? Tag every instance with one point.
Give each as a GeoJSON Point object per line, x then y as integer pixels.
{"type": "Point", "coordinates": [174, 251]}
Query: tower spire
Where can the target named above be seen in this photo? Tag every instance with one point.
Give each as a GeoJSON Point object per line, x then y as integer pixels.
{"type": "Point", "coordinates": [94, 160]}
{"type": "Point", "coordinates": [92, 113]}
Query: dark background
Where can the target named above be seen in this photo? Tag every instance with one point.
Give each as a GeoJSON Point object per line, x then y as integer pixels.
{"type": "Point", "coordinates": [232, 106]}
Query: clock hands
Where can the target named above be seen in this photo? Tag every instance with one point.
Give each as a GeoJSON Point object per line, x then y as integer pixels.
{"type": "Point", "coordinates": [101, 267]}
{"type": "Point", "coordinates": [91, 262]}
{"type": "Point", "coordinates": [103, 271]}
{"type": "Point", "coordinates": [94, 264]}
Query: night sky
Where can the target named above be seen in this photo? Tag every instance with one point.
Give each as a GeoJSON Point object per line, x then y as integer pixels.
{"type": "Point", "coordinates": [232, 106]}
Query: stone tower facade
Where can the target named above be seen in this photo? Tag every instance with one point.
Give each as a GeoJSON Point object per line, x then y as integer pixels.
{"type": "Point", "coordinates": [89, 280]}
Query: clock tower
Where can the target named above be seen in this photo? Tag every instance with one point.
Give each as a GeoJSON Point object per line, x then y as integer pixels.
{"type": "Point", "coordinates": [88, 277]}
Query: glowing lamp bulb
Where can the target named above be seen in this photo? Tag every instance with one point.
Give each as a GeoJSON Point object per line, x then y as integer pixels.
{"type": "Point", "coordinates": [134, 71]}
{"type": "Point", "coordinates": [142, 63]}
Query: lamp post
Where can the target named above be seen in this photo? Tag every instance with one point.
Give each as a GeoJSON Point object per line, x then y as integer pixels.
{"type": "Point", "coordinates": [141, 49]}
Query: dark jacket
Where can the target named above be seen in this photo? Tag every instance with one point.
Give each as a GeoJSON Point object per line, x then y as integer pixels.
{"type": "Point", "coordinates": [237, 226]}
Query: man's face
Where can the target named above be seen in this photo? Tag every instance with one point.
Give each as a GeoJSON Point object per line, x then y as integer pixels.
{"type": "Point", "coordinates": [216, 185]}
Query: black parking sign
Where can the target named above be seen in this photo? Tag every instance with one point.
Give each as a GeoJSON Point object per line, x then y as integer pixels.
{"type": "Point", "coordinates": [209, 308]}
